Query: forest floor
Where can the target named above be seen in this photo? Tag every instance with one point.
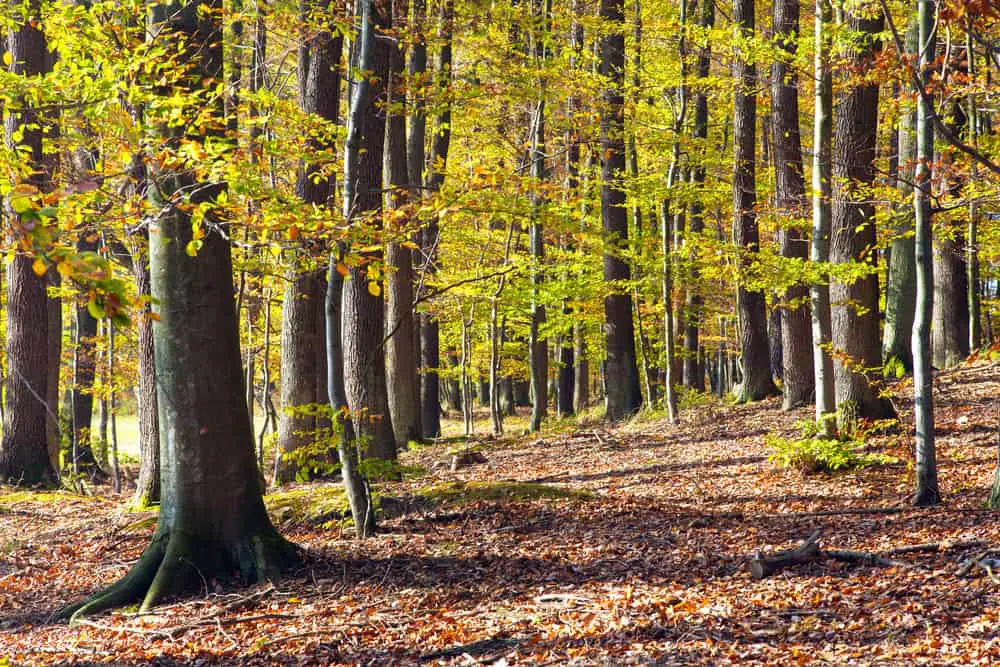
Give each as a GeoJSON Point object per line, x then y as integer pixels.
{"type": "Point", "coordinates": [584, 545]}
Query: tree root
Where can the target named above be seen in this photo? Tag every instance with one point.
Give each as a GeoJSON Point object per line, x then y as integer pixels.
{"type": "Point", "coordinates": [176, 559]}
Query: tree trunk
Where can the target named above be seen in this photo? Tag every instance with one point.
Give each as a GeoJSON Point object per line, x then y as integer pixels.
{"type": "Point", "coordinates": [430, 350]}
{"type": "Point", "coordinates": [147, 489]}
{"type": "Point", "coordinates": [694, 373]}
{"type": "Point", "coordinates": [401, 363]}
{"type": "Point", "coordinates": [581, 371]}
{"type": "Point", "coordinates": [950, 328]}
{"type": "Point", "coordinates": [24, 452]}
{"type": "Point", "coordinates": [301, 336]}
{"type": "Point", "coordinates": [901, 286]}
{"type": "Point", "coordinates": [212, 519]}
{"type": "Point", "coordinates": [790, 195]}
{"type": "Point", "coordinates": [927, 492]}
{"type": "Point", "coordinates": [623, 395]}
{"type": "Point", "coordinates": [755, 357]}
{"type": "Point", "coordinates": [819, 252]}
{"type": "Point", "coordinates": [363, 315]}
{"type": "Point", "coordinates": [855, 306]}
{"type": "Point", "coordinates": [303, 327]}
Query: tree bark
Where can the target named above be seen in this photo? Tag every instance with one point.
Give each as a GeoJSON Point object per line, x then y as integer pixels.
{"type": "Point", "coordinates": [901, 285]}
{"type": "Point", "coordinates": [24, 451]}
{"type": "Point", "coordinates": [212, 519]}
{"type": "Point", "coordinates": [430, 346]}
{"type": "Point", "coordinates": [855, 305]}
{"type": "Point", "coordinates": [819, 252]}
{"type": "Point", "coordinates": [147, 489]}
{"type": "Point", "coordinates": [754, 352]}
{"type": "Point", "coordinates": [623, 394]}
{"type": "Point", "coordinates": [303, 322]}
{"type": "Point", "coordinates": [950, 328]}
{"type": "Point", "coordinates": [790, 195]}
{"type": "Point", "coordinates": [927, 492]}
{"type": "Point", "coordinates": [538, 347]}
{"type": "Point", "coordinates": [363, 315]}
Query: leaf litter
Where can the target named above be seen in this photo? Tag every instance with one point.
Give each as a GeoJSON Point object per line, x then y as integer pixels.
{"type": "Point", "coordinates": [639, 557]}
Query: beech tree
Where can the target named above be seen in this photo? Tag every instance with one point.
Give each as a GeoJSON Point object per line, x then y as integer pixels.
{"type": "Point", "coordinates": [303, 319]}
{"type": "Point", "coordinates": [790, 194]}
{"type": "Point", "coordinates": [212, 520]}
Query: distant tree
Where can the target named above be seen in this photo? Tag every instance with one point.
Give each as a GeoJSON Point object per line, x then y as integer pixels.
{"type": "Point", "coordinates": [754, 351]}
{"type": "Point", "coordinates": [622, 372]}
{"type": "Point", "coordinates": [28, 411]}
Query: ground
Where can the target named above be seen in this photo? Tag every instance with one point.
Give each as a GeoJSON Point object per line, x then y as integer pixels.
{"type": "Point", "coordinates": [586, 545]}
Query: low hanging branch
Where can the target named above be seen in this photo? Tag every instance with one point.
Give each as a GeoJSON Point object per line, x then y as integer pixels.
{"type": "Point", "coordinates": [764, 565]}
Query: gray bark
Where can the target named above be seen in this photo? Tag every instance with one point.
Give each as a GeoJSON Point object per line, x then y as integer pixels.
{"type": "Point", "coordinates": [819, 293]}
{"type": "Point", "coordinates": [927, 492]}
{"type": "Point", "coordinates": [401, 362]}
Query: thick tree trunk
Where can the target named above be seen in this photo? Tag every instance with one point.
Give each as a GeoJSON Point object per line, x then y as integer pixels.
{"type": "Point", "coordinates": [790, 195]}
{"type": "Point", "coordinates": [623, 394]}
{"type": "Point", "coordinates": [754, 353]}
{"type": "Point", "coordinates": [301, 336]}
{"type": "Point", "coordinates": [212, 519]}
{"type": "Point", "coordinates": [24, 452]}
{"type": "Point", "coordinates": [855, 305]}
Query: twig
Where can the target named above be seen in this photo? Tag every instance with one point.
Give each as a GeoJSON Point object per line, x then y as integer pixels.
{"type": "Point", "coordinates": [932, 547]}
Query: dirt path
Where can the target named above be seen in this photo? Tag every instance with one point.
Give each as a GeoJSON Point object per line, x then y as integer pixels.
{"type": "Point", "coordinates": [649, 564]}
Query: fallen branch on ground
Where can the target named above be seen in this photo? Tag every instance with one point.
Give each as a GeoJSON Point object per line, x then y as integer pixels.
{"type": "Point", "coordinates": [809, 551]}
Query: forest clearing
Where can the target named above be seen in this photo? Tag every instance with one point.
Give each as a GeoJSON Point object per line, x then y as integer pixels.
{"type": "Point", "coordinates": [584, 545]}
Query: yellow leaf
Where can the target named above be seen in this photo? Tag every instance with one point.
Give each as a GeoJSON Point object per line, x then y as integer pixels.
{"type": "Point", "coordinates": [39, 266]}
{"type": "Point", "coordinates": [6, 58]}
{"type": "Point", "coordinates": [374, 289]}
{"type": "Point", "coordinates": [293, 232]}
{"type": "Point", "coordinates": [64, 268]}
{"type": "Point", "coordinates": [342, 269]}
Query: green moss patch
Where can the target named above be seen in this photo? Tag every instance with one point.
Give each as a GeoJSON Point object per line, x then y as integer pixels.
{"type": "Point", "coordinates": [452, 493]}
{"type": "Point", "coordinates": [312, 504]}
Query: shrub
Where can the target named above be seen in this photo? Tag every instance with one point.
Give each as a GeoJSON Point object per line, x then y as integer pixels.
{"type": "Point", "coordinates": [811, 454]}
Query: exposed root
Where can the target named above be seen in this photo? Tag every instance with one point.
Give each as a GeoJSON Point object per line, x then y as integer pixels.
{"type": "Point", "coordinates": [175, 560]}
{"type": "Point", "coordinates": [128, 589]}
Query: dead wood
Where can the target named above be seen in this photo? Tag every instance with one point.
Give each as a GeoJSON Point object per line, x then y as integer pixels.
{"type": "Point", "coordinates": [809, 551]}
{"type": "Point", "coordinates": [764, 566]}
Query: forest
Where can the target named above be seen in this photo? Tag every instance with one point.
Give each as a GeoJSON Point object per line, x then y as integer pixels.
{"type": "Point", "coordinates": [500, 332]}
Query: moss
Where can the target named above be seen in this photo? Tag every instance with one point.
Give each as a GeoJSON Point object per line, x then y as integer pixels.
{"type": "Point", "coordinates": [14, 497]}
{"type": "Point", "coordinates": [313, 504]}
{"type": "Point", "coordinates": [450, 493]}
